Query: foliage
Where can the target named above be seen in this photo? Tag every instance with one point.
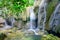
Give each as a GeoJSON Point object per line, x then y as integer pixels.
{"type": "Point", "coordinates": [50, 37]}
{"type": "Point", "coordinates": [14, 7]}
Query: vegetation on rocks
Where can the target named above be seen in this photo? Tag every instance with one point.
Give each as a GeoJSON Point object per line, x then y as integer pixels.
{"type": "Point", "coordinates": [50, 37]}
{"type": "Point", "coordinates": [18, 35]}
{"type": "Point", "coordinates": [14, 7]}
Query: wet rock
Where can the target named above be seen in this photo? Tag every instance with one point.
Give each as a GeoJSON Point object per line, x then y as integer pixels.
{"type": "Point", "coordinates": [25, 15]}
{"type": "Point", "coordinates": [27, 26]}
{"type": "Point", "coordinates": [29, 33]}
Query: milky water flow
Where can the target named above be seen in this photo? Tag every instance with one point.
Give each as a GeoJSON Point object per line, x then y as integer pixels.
{"type": "Point", "coordinates": [32, 19]}
{"type": "Point", "coordinates": [41, 14]}
{"type": "Point", "coordinates": [53, 16]}
{"type": "Point", "coordinates": [8, 26]}
{"type": "Point", "coordinates": [12, 22]}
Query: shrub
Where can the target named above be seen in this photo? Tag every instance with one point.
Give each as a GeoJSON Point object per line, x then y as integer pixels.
{"type": "Point", "coordinates": [14, 7]}
{"type": "Point", "coordinates": [50, 37]}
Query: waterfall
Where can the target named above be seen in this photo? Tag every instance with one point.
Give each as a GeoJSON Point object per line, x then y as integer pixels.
{"type": "Point", "coordinates": [9, 22]}
{"type": "Point", "coordinates": [32, 21]}
{"type": "Point", "coordinates": [32, 18]}
{"type": "Point", "coordinates": [55, 18]}
{"type": "Point", "coordinates": [6, 26]}
{"type": "Point", "coordinates": [42, 15]}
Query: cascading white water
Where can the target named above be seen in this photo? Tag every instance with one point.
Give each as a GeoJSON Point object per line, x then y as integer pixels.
{"type": "Point", "coordinates": [32, 21]}
{"type": "Point", "coordinates": [55, 18]}
{"type": "Point", "coordinates": [42, 15]}
{"type": "Point", "coordinates": [32, 18]}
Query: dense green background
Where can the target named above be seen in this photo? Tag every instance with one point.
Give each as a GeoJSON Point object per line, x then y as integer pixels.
{"type": "Point", "coordinates": [15, 7]}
